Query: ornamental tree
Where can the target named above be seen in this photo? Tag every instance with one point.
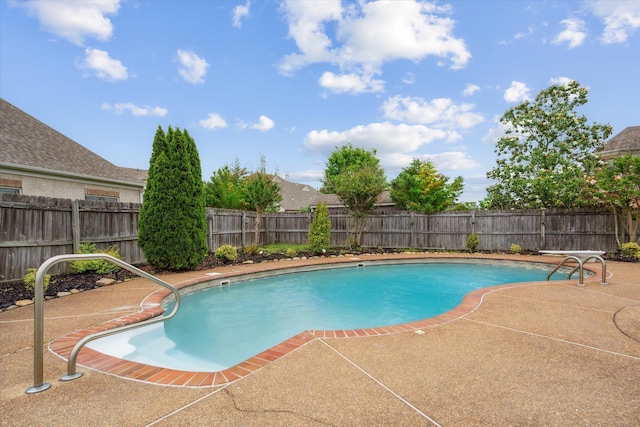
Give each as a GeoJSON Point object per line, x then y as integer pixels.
{"type": "Point", "coordinates": [546, 151]}
{"type": "Point", "coordinates": [420, 188]}
{"type": "Point", "coordinates": [225, 188]}
{"type": "Point", "coordinates": [260, 194]}
{"type": "Point", "coordinates": [172, 225]}
{"type": "Point", "coordinates": [355, 176]}
{"type": "Point", "coordinates": [616, 185]}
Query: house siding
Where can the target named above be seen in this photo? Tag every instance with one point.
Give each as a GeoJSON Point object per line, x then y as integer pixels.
{"type": "Point", "coordinates": [74, 189]}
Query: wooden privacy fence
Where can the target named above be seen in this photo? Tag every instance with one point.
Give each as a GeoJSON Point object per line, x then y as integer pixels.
{"type": "Point", "coordinates": [34, 229]}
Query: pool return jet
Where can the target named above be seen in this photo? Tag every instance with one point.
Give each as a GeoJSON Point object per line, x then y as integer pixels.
{"type": "Point", "coordinates": [38, 317]}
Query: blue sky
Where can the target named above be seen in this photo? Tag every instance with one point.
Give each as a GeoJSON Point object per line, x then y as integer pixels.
{"type": "Point", "coordinates": [294, 79]}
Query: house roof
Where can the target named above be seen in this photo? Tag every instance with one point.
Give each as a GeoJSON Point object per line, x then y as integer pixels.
{"type": "Point", "coordinates": [332, 200]}
{"type": "Point", "coordinates": [295, 196]}
{"type": "Point", "coordinates": [625, 142]}
{"type": "Point", "coordinates": [29, 144]}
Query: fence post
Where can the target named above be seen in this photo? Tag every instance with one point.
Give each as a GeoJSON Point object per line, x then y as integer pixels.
{"type": "Point", "coordinates": [473, 221]}
{"type": "Point", "coordinates": [243, 228]}
{"type": "Point", "coordinates": [412, 225]}
{"type": "Point", "coordinates": [75, 226]}
{"type": "Point", "coordinates": [543, 224]}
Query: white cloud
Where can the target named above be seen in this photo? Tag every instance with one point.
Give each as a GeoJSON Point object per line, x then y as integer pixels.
{"type": "Point", "coordinates": [496, 132]}
{"type": "Point", "coordinates": [103, 66]}
{"type": "Point", "coordinates": [409, 78]}
{"type": "Point", "coordinates": [574, 33]}
{"type": "Point", "coordinates": [369, 34]}
{"type": "Point", "coordinates": [192, 67]}
{"type": "Point", "coordinates": [240, 12]}
{"type": "Point", "coordinates": [440, 112]}
{"type": "Point", "coordinates": [213, 121]}
{"type": "Point", "coordinates": [395, 145]}
{"type": "Point", "coordinates": [621, 18]}
{"type": "Point", "coordinates": [517, 92]}
{"type": "Point", "coordinates": [350, 83]}
{"type": "Point", "coordinates": [74, 20]}
{"type": "Point", "coordinates": [447, 161]}
{"type": "Point", "coordinates": [385, 137]}
{"type": "Point", "coordinates": [560, 81]}
{"type": "Point", "coordinates": [135, 110]}
{"type": "Point", "coordinates": [530, 30]}
{"type": "Point", "coordinates": [264, 124]}
{"type": "Point", "coordinates": [471, 89]}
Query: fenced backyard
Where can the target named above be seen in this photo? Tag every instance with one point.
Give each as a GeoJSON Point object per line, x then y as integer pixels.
{"type": "Point", "coordinates": [34, 229]}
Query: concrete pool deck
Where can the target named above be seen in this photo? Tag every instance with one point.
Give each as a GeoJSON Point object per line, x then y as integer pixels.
{"type": "Point", "coordinates": [548, 353]}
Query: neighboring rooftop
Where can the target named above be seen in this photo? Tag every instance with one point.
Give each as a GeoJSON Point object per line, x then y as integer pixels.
{"type": "Point", "coordinates": [295, 196]}
{"type": "Point", "coordinates": [27, 143]}
{"type": "Point", "coordinates": [625, 142]}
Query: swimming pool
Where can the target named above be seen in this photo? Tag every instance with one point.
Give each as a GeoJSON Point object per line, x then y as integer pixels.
{"type": "Point", "coordinates": [221, 326]}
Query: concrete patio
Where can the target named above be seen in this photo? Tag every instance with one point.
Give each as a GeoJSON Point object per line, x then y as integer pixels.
{"type": "Point", "coordinates": [548, 353]}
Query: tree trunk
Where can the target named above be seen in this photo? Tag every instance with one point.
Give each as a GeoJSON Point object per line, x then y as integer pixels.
{"type": "Point", "coordinates": [256, 229]}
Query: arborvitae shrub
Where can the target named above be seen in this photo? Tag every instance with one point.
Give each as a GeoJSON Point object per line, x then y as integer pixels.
{"type": "Point", "coordinates": [172, 228]}
{"type": "Point", "coordinates": [320, 229]}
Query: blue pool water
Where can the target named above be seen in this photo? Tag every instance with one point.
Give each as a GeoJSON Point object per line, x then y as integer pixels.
{"type": "Point", "coordinates": [219, 327]}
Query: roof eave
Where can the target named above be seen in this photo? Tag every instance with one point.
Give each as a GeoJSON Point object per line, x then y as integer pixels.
{"type": "Point", "coordinates": [67, 176]}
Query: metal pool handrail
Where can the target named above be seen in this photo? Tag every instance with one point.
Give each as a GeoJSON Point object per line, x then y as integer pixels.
{"type": "Point", "coordinates": [38, 318]}
{"type": "Point", "coordinates": [580, 267]}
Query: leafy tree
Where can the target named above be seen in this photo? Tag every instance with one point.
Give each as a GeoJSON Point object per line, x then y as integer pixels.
{"type": "Point", "coordinates": [420, 188]}
{"type": "Point", "coordinates": [355, 176]}
{"type": "Point", "coordinates": [172, 226]}
{"type": "Point", "coordinates": [260, 194]}
{"type": "Point", "coordinates": [225, 188]}
{"type": "Point", "coordinates": [617, 186]}
{"type": "Point", "coordinates": [546, 150]}
{"type": "Point", "coordinates": [320, 229]}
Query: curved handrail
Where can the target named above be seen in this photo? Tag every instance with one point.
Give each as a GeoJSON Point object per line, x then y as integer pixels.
{"type": "Point", "coordinates": [38, 329]}
{"type": "Point", "coordinates": [580, 267]}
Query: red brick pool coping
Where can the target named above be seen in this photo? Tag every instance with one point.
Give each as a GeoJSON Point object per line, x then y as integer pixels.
{"type": "Point", "coordinates": [151, 307]}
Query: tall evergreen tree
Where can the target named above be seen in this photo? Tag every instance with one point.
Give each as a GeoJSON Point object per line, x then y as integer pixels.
{"type": "Point", "coordinates": [172, 228]}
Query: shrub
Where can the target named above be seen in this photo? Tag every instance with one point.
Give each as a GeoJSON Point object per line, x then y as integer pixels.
{"type": "Point", "coordinates": [250, 250]}
{"type": "Point", "coordinates": [631, 250]}
{"type": "Point", "coordinates": [172, 228]}
{"type": "Point", "coordinates": [227, 253]}
{"type": "Point", "coordinates": [290, 252]}
{"type": "Point", "coordinates": [99, 266]}
{"type": "Point", "coordinates": [29, 279]}
{"type": "Point", "coordinates": [472, 242]}
{"type": "Point", "coordinates": [320, 229]}
{"type": "Point", "coordinates": [515, 248]}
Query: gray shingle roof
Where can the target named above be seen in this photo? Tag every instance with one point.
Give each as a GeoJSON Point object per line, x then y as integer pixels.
{"type": "Point", "coordinates": [295, 196]}
{"type": "Point", "coordinates": [626, 142]}
{"type": "Point", "coordinates": [27, 142]}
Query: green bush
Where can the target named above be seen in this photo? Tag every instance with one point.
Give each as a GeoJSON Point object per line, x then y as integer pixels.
{"type": "Point", "coordinates": [472, 242]}
{"type": "Point", "coordinates": [227, 253]}
{"type": "Point", "coordinates": [631, 250]}
{"type": "Point", "coordinates": [99, 266]}
{"type": "Point", "coordinates": [290, 252]}
{"type": "Point", "coordinates": [172, 229]}
{"type": "Point", "coordinates": [29, 279]}
{"type": "Point", "coordinates": [320, 229]}
{"type": "Point", "coordinates": [250, 250]}
{"type": "Point", "coordinates": [515, 248]}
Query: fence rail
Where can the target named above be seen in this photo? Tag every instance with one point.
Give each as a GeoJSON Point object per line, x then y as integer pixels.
{"type": "Point", "coordinates": [34, 229]}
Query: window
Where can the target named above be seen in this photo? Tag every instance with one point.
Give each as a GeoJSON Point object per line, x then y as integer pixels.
{"type": "Point", "coordinates": [94, 194]}
{"type": "Point", "coordinates": [10, 190]}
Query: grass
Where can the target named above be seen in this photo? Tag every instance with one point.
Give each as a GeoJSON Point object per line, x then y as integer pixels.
{"type": "Point", "coordinates": [281, 248]}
